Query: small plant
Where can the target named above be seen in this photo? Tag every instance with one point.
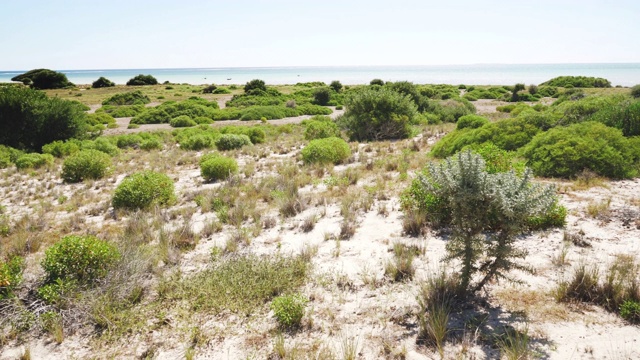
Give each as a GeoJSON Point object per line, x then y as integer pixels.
{"type": "Point", "coordinates": [232, 141]}
{"type": "Point", "coordinates": [330, 150]}
{"type": "Point", "coordinates": [401, 268]}
{"type": "Point", "coordinates": [630, 311]}
{"type": "Point", "coordinates": [81, 258]}
{"type": "Point", "coordinates": [33, 161]}
{"type": "Point", "coordinates": [214, 167]}
{"type": "Point", "coordinates": [10, 276]}
{"type": "Point", "coordinates": [514, 344]}
{"type": "Point", "coordinates": [144, 189]}
{"type": "Point", "coordinates": [86, 164]}
{"type": "Point", "coordinates": [289, 310]}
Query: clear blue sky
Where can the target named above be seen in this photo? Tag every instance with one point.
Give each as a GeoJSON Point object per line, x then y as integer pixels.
{"type": "Point", "coordinates": [111, 34]}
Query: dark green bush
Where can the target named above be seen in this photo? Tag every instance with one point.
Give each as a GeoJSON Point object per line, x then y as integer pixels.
{"type": "Point", "coordinates": [567, 151]}
{"type": "Point", "coordinates": [578, 81]}
{"type": "Point", "coordinates": [321, 96]}
{"type": "Point", "coordinates": [33, 161]}
{"type": "Point", "coordinates": [141, 79]}
{"type": "Point", "coordinates": [81, 258]}
{"type": "Point", "coordinates": [122, 110]}
{"type": "Point", "coordinates": [256, 134]}
{"type": "Point", "coordinates": [10, 276]}
{"type": "Point", "coordinates": [182, 121]}
{"type": "Point", "coordinates": [85, 164]}
{"type": "Point", "coordinates": [255, 84]}
{"type": "Point", "coordinates": [102, 82]}
{"type": "Point", "coordinates": [29, 119]}
{"type": "Point", "coordinates": [43, 79]}
{"type": "Point", "coordinates": [209, 89]}
{"type": "Point", "coordinates": [143, 190]}
{"type": "Point", "coordinates": [232, 141]}
{"type": "Point", "coordinates": [197, 142]}
{"type": "Point", "coordinates": [330, 150]}
{"type": "Point", "coordinates": [336, 86]}
{"type": "Point", "coordinates": [320, 127]}
{"type": "Point", "coordinates": [635, 91]}
{"type": "Point", "coordinates": [408, 88]}
{"type": "Point", "coordinates": [192, 107]}
{"type": "Point", "coordinates": [128, 98]}
{"type": "Point", "coordinates": [471, 121]}
{"type": "Point", "coordinates": [378, 115]}
{"type": "Point", "coordinates": [376, 82]}
{"type": "Point", "coordinates": [452, 110]}
{"type": "Point", "coordinates": [214, 167]}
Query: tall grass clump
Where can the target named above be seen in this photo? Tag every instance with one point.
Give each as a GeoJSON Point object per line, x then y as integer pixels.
{"type": "Point", "coordinates": [331, 150]}
{"type": "Point", "coordinates": [86, 164]}
{"type": "Point", "coordinates": [144, 189]}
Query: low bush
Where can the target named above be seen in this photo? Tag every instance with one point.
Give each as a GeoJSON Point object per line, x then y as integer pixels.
{"type": "Point", "coordinates": [43, 79]}
{"type": "Point", "coordinates": [141, 79]}
{"type": "Point", "coordinates": [33, 161]}
{"type": "Point", "coordinates": [151, 144]}
{"type": "Point", "coordinates": [8, 156]}
{"type": "Point", "coordinates": [289, 310]}
{"type": "Point", "coordinates": [202, 120]}
{"type": "Point", "coordinates": [122, 110]}
{"type": "Point", "coordinates": [232, 141]}
{"type": "Point", "coordinates": [10, 276]}
{"type": "Point", "coordinates": [336, 86]}
{"type": "Point", "coordinates": [61, 148]}
{"type": "Point", "coordinates": [102, 82]}
{"type": "Point", "coordinates": [376, 82]}
{"type": "Point", "coordinates": [255, 84]}
{"type": "Point", "coordinates": [80, 258]}
{"type": "Point", "coordinates": [197, 142]}
{"type": "Point", "coordinates": [128, 98]}
{"type": "Point", "coordinates": [101, 144]}
{"type": "Point", "coordinates": [471, 121]}
{"type": "Point", "coordinates": [209, 89]}
{"type": "Point", "coordinates": [86, 164]}
{"type": "Point", "coordinates": [255, 133]}
{"type": "Point", "coordinates": [143, 190]}
{"type": "Point", "coordinates": [192, 107]}
{"type": "Point", "coordinates": [578, 81]}
{"type": "Point", "coordinates": [452, 110]}
{"type": "Point", "coordinates": [182, 121]}
{"type": "Point", "coordinates": [215, 167]}
{"type": "Point", "coordinates": [635, 91]}
{"type": "Point", "coordinates": [320, 127]}
{"type": "Point", "coordinates": [330, 150]}
{"type": "Point", "coordinates": [567, 151]}
{"type": "Point", "coordinates": [321, 96]}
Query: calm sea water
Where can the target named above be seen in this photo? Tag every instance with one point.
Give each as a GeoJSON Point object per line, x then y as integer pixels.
{"type": "Point", "coordinates": [618, 74]}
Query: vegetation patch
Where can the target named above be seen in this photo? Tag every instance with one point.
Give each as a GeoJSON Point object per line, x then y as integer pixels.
{"type": "Point", "coordinates": [128, 98]}
{"type": "Point", "coordinates": [143, 190]}
{"type": "Point", "coordinates": [86, 164]}
{"type": "Point", "coordinates": [330, 150]}
{"type": "Point", "coordinates": [214, 167]}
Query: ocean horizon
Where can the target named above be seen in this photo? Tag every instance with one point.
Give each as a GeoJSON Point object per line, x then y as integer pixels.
{"type": "Point", "coordinates": [619, 74]}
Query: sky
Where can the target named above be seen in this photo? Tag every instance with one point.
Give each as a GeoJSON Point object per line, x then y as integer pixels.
{"type": "Point", "coordinates": [136, 34]}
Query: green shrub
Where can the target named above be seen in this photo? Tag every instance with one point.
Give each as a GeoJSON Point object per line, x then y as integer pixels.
{"type": "Point", "coordinates": [122, 111]}
{"type": "Point", "coordinates": [29, 119]}
{"type": "Point", "coordinates": [202, 120]}
{"type": "Point", "coordinates": [320, 127]}
{"type": "Point", "coordinates": [452, 110]}
{"type": "Point", "coordinates": [256, 134]}
{"type": "Point", "coordinates": [578, 81]}
{"type": "Point", "coordinates": [209, 89]}
{"type": "Point", "coordinates": [378, 115]}
{"type": "Point", "coordinates": [182, 121]}
{"type": "Point", "coordinates": [128, 98]}
{"type": "Point", "coordinates": [81, 258]}
{"type": "Point", "coordinates": [289, 310]}
{"type": "Point", "coordinates": [61, 148]}
{"type": "Point", "coordinates": [143, 190]}
{"type": "Point", "coordinates": [255, 84]}
{"type": "Point", "coordinates": [376, 82]}
{"type": "Point", "coordinates": [33, 161]}
{"type": "Point", "coordinates": [142, 80]}
{"type": "Point", "coordinates": [324, 151]}
{"type": "Point", "coordinates": [102, 82]}
{"type": "Point", "coordinates": [232, 141]}
{"type": "Point", "coordinates": [86, 164]}
{"type": "Point", "coordinates": [548, 91]}
{"type": "Point", "coordinates": [196, 142]}
{"type": "Point", "coordinates": [506, 108]}
{"type": "Point", "coordinates": [43, 79]}
{"type": "Point", "coordinates": [496, 159]}
{"type": "Point", "coordinates": [336, 86]}
{"type": "Point", "coordinates": [193, 107]}
{"type": "Point", "coordinates": [215, 167]}
{"type": "Point", "coordinates": [8, 155]}
{"type": "Point", "coordinates": [151, 144]}
{"type": "Point", "coordinates": [471, 121]}
{"type": "Point", "coordinates": [630, 311]}
{"type": "Point", "coordinates": [10, 276]}
{"type": "Point", "coordinates": [567, 151]}
{"type": "Point", "coordinates": [555, 217]}
{"type": "Point", "coordinates": [321, 96]}
{"type": "Point", "coordinates": [635, 91]}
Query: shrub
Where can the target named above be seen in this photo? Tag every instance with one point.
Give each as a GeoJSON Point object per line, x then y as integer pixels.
{"type": "Point", "coordinates": [378, 115]}
{"type": "Point", "coordinates": [151, 144]}
{"type": "Point", "coordinates": [144, 189]}
{"type": "Point", "coordinates": [486, 212]}
{"type": "Point", "coordinates": [452, 110]}
{"type": "Point", "coordinates": [635, 91]}
{"type": "Point", "coordinates": [320, 127]}
{"type": "Point", "coordinates": [253, 85]}
{"type": "Point", "coordinates": [578, 81]}
{"type": "Point", "coordinates": [43, 79]}
{"type": "Point", "coordinates": [33, 161]}
{"type": "Point", "coordinates": [630, 311]}
{"type": "Point", "coordinates": [196, 142]}
{"type": "Point", "coordinates": [122, 110]}
{"type": "Point", "coordinates": [321, 96]}
{"type": "Point", "coordinates": [86, 164]}
{"type": "Point", "coordinates": [142, 80]}
{"type": "Point", "coordinates": [61, 148]}
{"type": "Point", "coordinates": [128, 98]}
{"type": "Point", "coordinates": [255, 133]}
{"type": "Point", "coordinates": [336, 86]}
{"type": "Point", "coordinates": [81, 258]}
{"type": "Point", "coordinates": [182, 121]}
{"type": "Point", "coordinates": [232, 141]}
{"type": "Point", "coordinates": [10, 276]}
{"type": "Point", "coordinates": [203, 120]}
{"type": "Point", "coordinates": [29, 119]}
{"type": "Point", "coordinates": [567, 151]}
{"type": "Point", "coordinates": [101, 144]}
{"type": "Point", "coordinates": [471, 121]}
{"type": "Point", "coordinates": [289, 310]}
{"type": "Point", "coordinates": [376, 82]}
{"type": "Point", "coordinates": [209, 89]}
{"type": "Point", "coordinates": [192, 107]}
{"type": "Point", "coordinates": [215, 167]}
{"type": "Point", "coordinates": [324, 151]}
{"type": "Point", "coordinates": [102, 82]}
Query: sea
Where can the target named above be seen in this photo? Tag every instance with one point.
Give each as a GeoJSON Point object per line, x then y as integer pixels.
{"type": "Point", "coordinates": [622, 74]}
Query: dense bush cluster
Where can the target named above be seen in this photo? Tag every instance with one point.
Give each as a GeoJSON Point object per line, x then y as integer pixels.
{"type": "Point", "coordinates": [33, 161]}
{"type": "Point", "coordinates": [182, 121]}
{"type": "Point", "coordinates": [102, 82]}
{"type": "Point", "coordinates": [43, 79]}
{"type": "Point", "coordinates": [141, 79]}
{"type": "Point", "coordinates": [471, 122]}
{"type": "Point", "coordinates": [29, 119]}
{"type": "Point", "coordinates": [232, 141]}
{"type": "Point", "coordinates": [121, 111]}
{"type": "Point", "coordinates": [128, 98]}
{"type": "Point", "coordinates": [215, 167]}
{"type": "Point", "coordinates": [331, 150]}
{"type": "Point", "coordinates": [193, 107]}
{"type": "Point", "coordinates": [578, 81]}
{"type": "Point", "coordinates": [86, 164]}
{"type": "Point", "coordinates": [143, 190]}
